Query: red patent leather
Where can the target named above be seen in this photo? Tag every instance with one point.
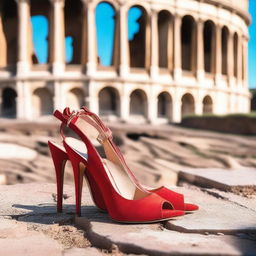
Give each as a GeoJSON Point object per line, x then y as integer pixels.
{"type": "Point", "coordinates": [148, 209]}
{"type": "Point", "coordinates": [176, 199]}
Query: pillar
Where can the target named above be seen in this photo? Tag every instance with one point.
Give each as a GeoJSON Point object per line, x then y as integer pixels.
{"type": "Point", "coordinates": [176, 109]}
{"type": "Point", "coordinates": [23, 36]}
{"type": "Point", "coordinates": [239, 60]}
{"type": "Point", "coordinates": [177, 72]}
{"type": "Point", "coordinates": [90, 37]}
{"type": "Point", "coordinates": [200, 51]}
{"type": "Point", "coordinates": [230, 58]}
{"type": "Point", "coordinates": [125, 106]}
{"type": "Point", "coordinates": [245, 61]}
{"type": "Point", "coordinates": [124, 43]}
{"type": "Point", "coordinates": [57, 37]}
{"type": "Point", "coordinates": [218, 57]}
{"type": "Point", "coordinates": [154, 68]}
{"type": "Point", "coordinates": [3, 51]}
{"type": "Point", "coordinates": [152, 108]}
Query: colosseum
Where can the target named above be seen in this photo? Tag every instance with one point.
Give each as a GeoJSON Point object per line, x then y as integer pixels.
{"type": "Point", "coordinates": [187, 57]}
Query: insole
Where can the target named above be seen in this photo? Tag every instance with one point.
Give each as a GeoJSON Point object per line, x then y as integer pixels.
{"type": "Point", "coordinates": [116, 174]}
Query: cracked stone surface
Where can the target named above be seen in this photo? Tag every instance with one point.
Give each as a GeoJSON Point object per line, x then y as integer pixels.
{"type": "Point", "coordinates": [235, 179]}
{"type": "Point", "coordinates": [28, 214]}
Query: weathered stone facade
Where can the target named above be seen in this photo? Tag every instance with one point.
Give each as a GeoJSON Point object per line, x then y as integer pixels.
{"type": "Point", "coordinates": [188, 56]}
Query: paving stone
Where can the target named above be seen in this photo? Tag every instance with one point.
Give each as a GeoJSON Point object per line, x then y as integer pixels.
{"type": "Point", "coordinates": [12, 151]}
{"type": "Point", "coordinates": [221, 178]}
{"type": "Point", "coordinates": [215, 215]}
{"type": "Point", "coordinates": [149, 240]}
{"type": "Point", "coordinates": [90, 251]}
{"type": "Point", "coordinates": [248, 202]}
{"type": "Point", "coordinates": [26, 242]}
{"type": "Point", "coordinates": [25, 205]}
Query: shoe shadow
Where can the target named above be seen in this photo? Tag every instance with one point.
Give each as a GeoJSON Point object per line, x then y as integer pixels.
{"type": "Point", "coordinates": [47, 214]}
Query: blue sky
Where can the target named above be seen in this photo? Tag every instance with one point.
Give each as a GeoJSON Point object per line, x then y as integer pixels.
{"type": "Point", "coordinates": [105, 35]}
{"type": "Point", "coordinates": [252, 45]}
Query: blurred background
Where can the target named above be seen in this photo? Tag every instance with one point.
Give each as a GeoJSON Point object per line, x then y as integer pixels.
{"type": "Point", "coordinates": [175, 81]}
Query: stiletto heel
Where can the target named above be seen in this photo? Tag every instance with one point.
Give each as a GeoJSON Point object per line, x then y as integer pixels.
{"type": "Point", "coordinates": [59, 158]}
{"type": "Point", "coordinates": [125, 200]}
{"type": "Point", "coordinates": [59, 155]}
{"type": "Point", "coordinates": [78, 170]}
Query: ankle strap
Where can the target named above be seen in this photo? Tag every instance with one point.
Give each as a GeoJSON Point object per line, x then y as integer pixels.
{"type": "Point", "coordinates": [71, 116]}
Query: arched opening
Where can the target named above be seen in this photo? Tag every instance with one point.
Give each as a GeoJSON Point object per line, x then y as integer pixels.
{"type": "Point", "coordinates": [39, 44]}
{"type": "Point", "coordinates": [164, 105]}
{"type": "Point", "coordinates": [10, 30]}
{"type": "Point", "coordinates": [235, 48]}
{"type": "Point", "coordinates": [109, 102]}
{"type": "Point", "coordinates": [73, 37]}
{"type": "Point", "coordinates": [138, 36]}
{"type": "Point", "coordinates": [165, 48]}
{"type": "Point", "coordinates": [9, 96]}
{"type": "Point", "coordinates": [207, 105]}
{"type": "Point", "coordinates": [75, 98]}
{"type": "Point", "coordinates": [138, 103]}
{"type": "Point", "coordinates": [42, 102]}
{"type": "Point", "coordinates": [188, 39]}
{"type": "Point", "coordinates": [187, 104]}
{"type": "Point", "coordinates": [209, 46]}
{"type": "Point", "coordinates": [224, 49]}
{"type": "Point", "coordinates": [106, 29]}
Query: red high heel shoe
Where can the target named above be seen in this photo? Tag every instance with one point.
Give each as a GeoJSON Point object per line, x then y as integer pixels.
{"type": "Point", "coordinates": [125, 200]}
{"type": "Point", "coordinates": [176, 199]}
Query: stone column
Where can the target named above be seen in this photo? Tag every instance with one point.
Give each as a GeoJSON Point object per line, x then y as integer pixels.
{"type": "Point", "coordinates": [3, 50]}
{"type": "Point", "coordinates": [177, 71]}
{"type": "Point", "coordinates": [23, 36]}
{"type": "Point", "coordinates": [230, 58]}
{"type": "Point", "coordinates": [91, 43]}
{"type": "Point", "coordinates": [239, 60]}
{"type": "Point", "coordinates": [218, 57]}
{"type": "Point", "coordinates": [245, 61]}
{"type": "Point", "coordinates": [152, 108]}
{"type": "Point", "coordinates": [57, 34]}
{"type": "Point", "coordinates": [125, 106]}
{"type": "Point", "coordinates": [200, 51]}
{"type": "Point", "coordinates": [148, 43]}
{"type": "Point", "coordinates": [176, 109]}
{"type": "Point", "coordinates": [20, 113]}
{"type": "Point", "coordinates": [154, 65]}
{"type": "Point", "coordinates": [124, 64]}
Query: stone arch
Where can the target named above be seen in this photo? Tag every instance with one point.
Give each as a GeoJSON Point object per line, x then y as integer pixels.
{"type": "Point", "coordinates": [40, 45]}
{"type": "Point", "coordinates": [224, 50]}
{"type": "Point", "coordinates": [188, 39]}
{"type": "Point", "coordinates": [209, 46]}
{"type": "Point", "coordinates": [109, 101]}
{"type": "Point", "coordinates": [164, 105]}
{"type": "Point", "coordinates": [105, 15]}
{"type": "Point", "coordinates": [9, 108]}
{"type": "Point", "coordinates": [73, 19]}
{"type": "Point", "coordinates": [165, 39]}
{"type": "Point", "coordinates": [75, 98]}
{"type": "Point", "coordinates": [139, 38]}
{"type": "Point", "coordinates": [207, 105]}
{"type": "Point", "coordinates": [10, 30]}
{"type": "Point", "coordinates": [235, 49]}
{"type": "Point", "coordinates": [187, 104]}
{"type": "Point", "coordinates": [42, 101]}
{"type": "Point", "coordinates": [138, 103]}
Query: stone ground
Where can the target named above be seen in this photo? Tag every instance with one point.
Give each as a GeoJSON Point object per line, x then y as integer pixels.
{"type": "Point", "coordinates": [182, 159]}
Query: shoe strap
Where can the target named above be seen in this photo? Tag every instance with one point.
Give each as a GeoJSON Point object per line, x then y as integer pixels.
{"type": "Point", "coordinates": [71, 116]}
{"type": "Point", "coordinates": [104, 132]}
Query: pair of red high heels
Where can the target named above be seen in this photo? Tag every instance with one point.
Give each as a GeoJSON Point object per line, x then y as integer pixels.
{"type": "Point", "coordinates": [113, 186]}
